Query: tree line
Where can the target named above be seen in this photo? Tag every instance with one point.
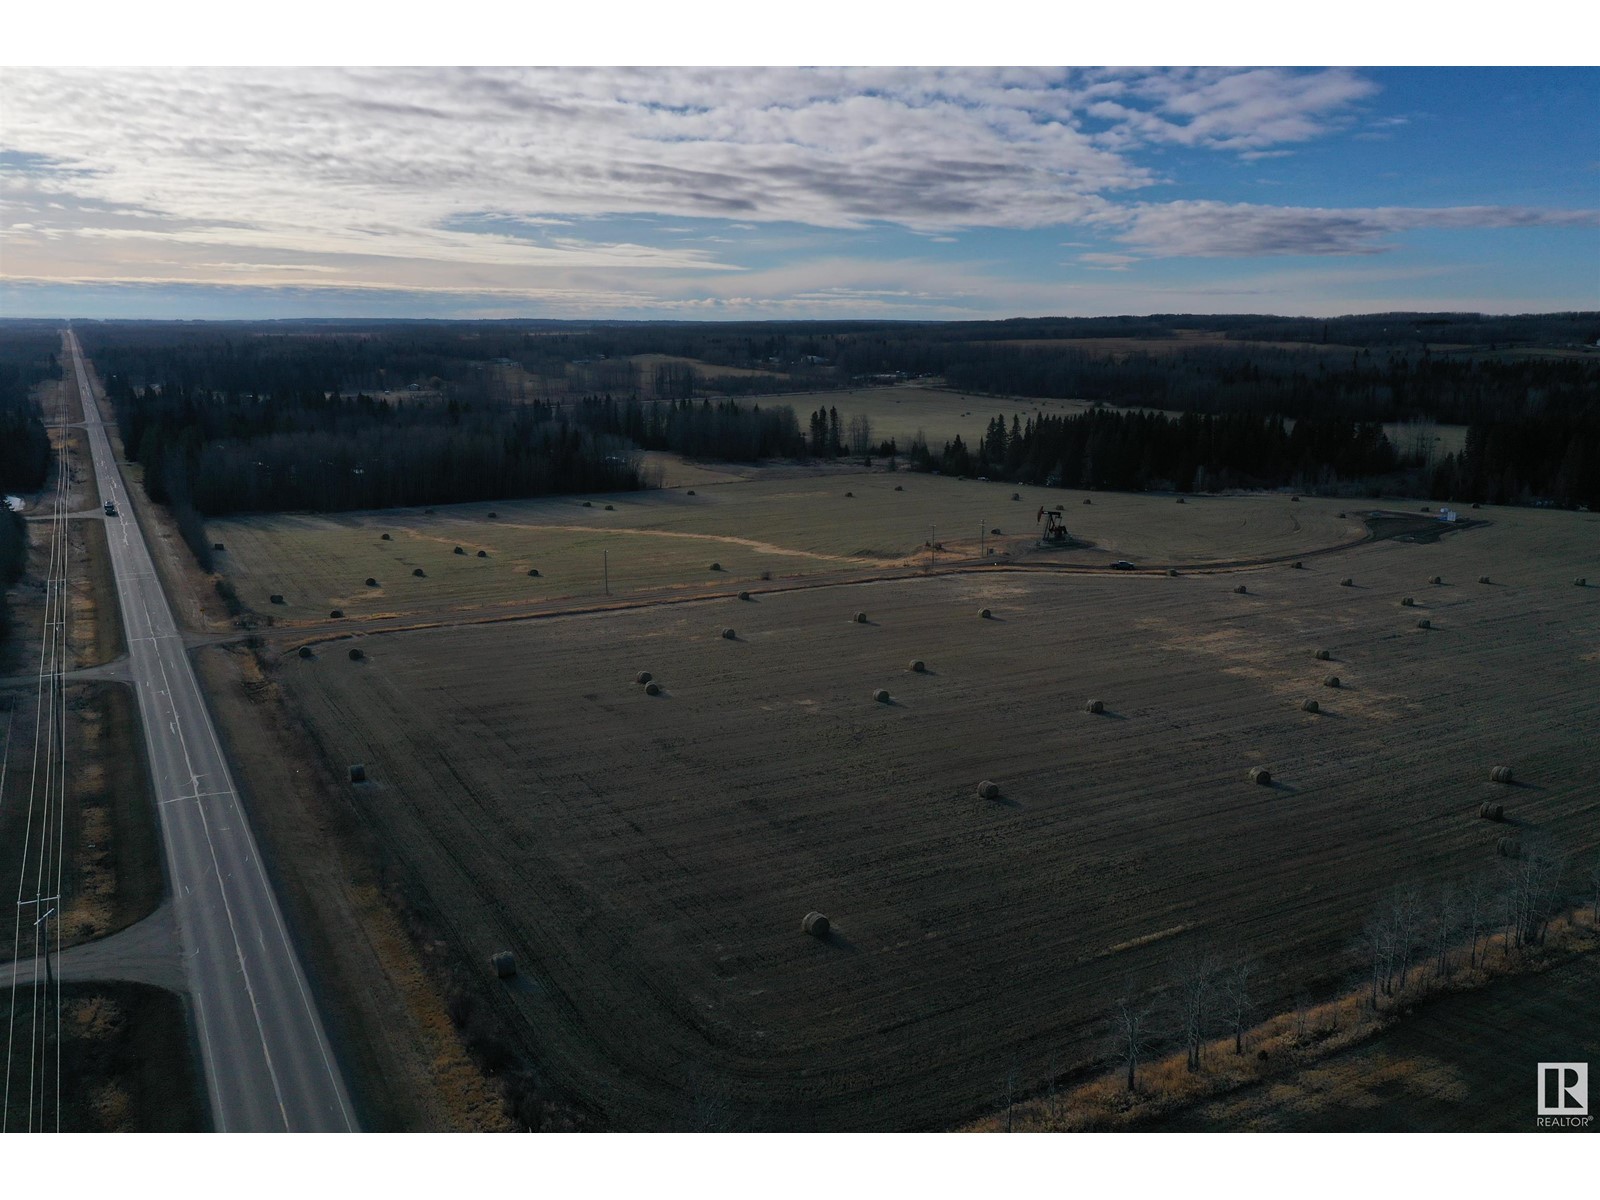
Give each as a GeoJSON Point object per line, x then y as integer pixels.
{"type": "Point", "coordinates": [28, 357]}
{"type": "Point", "coordinates": [1135, 451]}
{"type": "Point", "coordinates": [1413, 942]}
{"type": "Point", "coordinates": [208, 454]}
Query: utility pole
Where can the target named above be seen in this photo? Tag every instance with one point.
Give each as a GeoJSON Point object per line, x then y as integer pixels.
{"type": "Point", "coordinates": [605, 558]}
{"type": "Point", "coordinates": [983, 543]}
{"type": "Point", "coordinates": [933, 533]}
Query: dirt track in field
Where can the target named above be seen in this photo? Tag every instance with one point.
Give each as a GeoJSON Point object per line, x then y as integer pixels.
{"type": "Point", "coordinates": [649, 859]}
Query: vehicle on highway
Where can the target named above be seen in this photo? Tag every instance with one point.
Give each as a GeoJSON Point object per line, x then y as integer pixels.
{"type": "Point", "coordinates": [111, 508]}
{"type": "Point", "coordinates": [1122, 564]}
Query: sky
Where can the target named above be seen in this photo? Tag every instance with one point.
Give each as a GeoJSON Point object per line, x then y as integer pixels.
{"type": "Point", "coordinates": [745, 193]}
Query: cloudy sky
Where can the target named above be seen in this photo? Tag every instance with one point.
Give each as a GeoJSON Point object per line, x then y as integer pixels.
{"type": "Point", "coordinates": [729, 193]}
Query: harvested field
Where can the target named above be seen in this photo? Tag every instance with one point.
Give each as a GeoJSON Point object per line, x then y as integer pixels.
{"type": "Point", "coordinates": [647, 862]}
{"type": "Point", "coordinates": [789, 527]}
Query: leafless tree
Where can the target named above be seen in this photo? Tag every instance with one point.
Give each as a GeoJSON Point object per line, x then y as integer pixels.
{"type": "Point", "coordinates": [1477, 896]}
{"type": "Point", "coordinates": [1594, 882]}
{"type": "Point", "coordinates": [1011, 1097]}
{"type": "Point", "coordinates": [1532, 891]}
{"type": "Point", "coordinates": [1374, 947]}
{"type": "Point", "coordinates": [1404, 918]}
{"type": "Point", "coordinates": [1052, 1093]}
{"type": "Point", "coordinates": [1130, 1020]}
{"type": "Point", "coordinates": [1238, 1000]}
{"type": "Point", "coordinates": [860, 435]}
{"type": "Point", "coordinates": [1197, 991]}
{"type": "Point", "coordinates": [1443, 925]}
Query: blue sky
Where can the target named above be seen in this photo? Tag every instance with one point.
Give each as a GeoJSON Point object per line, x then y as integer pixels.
{"type": "Point", "coordinates": [735, 193]}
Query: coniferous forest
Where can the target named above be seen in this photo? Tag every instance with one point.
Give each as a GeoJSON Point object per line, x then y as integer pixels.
{"type": "Point", "coordinates": [231, 417]}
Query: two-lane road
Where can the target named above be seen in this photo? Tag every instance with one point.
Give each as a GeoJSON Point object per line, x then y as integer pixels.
{"type": "Point", "coordinates": [267, 1062]}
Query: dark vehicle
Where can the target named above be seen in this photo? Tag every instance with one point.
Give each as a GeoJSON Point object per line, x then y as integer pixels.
{"type": "Point", "coordinates": [111, 508]}
{"type": "Point", "coordinates": [1122, 565]}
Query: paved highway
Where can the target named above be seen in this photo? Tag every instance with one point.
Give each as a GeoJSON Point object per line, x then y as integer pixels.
{"type": "Point", "coordinates": [266, 1059]}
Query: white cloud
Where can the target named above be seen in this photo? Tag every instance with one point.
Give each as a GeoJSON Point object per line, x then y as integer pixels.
{"type": "Point", "coordinates": [1209, 229]}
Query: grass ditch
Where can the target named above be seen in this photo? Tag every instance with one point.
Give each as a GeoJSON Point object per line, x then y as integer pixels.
{"type": "Point", "coordinates": [113, 854]}
{"type": "Point", "coordinates": [127, 1065]}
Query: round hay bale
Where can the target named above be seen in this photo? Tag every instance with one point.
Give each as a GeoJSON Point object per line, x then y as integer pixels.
{"type": "Point", "coordinates": [1408, 602]}
{"type": "Point", "coordinates": [815, 924]}
{"type": "Point", "coordinates": [850, 495]}
{"type": "Point", "coordinates": [1310, 706]}
{"type": "Point", "coordinates": [611, 508]}
{"type": "Point", "coordinates": [588, 504]}
{"type": "Point", "coordinates": [1497, 812]}
{"type": "Point", "coordinates": [1086, 500]}
{"type": "Point", "coordinates": [1294, 499]}
{"type": "Point", "coordinates": [995, 532]}
{"type": "Point", "coordinates": [744, 595]}
{"type": "Point", "coordinates": [533, 572]}
{"type": "Point", "coordinates": [690, 492]}
{"type": "Point", "coordinates": [420, 573]}
{"type": "Point", "coordinates": [1324, 655]}
{"type": "Point", "coordinates": [1424, 624]}
{"type": "Point", "coordinates": [371, 582]}
{"type": "Point", "coordinates": [387, 538]}
{"type": "Point", "coordinates": [1330, 681]}
{"type": "Point", "coordinates": [1483, 579]}
{"type": "Point", "coordinates": [1347, 582]}
{"type": "Point", "coordinates": [1436, 580]}
{"type": "Point", "coordinates": [1094, 706]}
{"type": "Point", "coordinates": [1298, 565]}
{"type": "Point", "coordinates": [918, 666]}
{"type": "Point", "coordinates": [643, 677]}
{"type": "Point", "coordinates": [1341, 516]}
{"type": "Point", "coordinates": [493, 516]}
{"type": "Point", "coordinates": [1476, 505]}
{"type": "Point", "coordinates": [356, 654]}
{"type": "Point", "coordinates": [1580, 581]}
{"type": "Point", "coordinates": [1241, 590]}
{"type": "Point", "coordinates": [983, 614]}
{"type": "Point", "coordinates": [217, 546]}
{"type": "Point", "coordinates": [1508, 847]}
{"type": "Point", "coordinates": [898, 488]}
{"type": "Point", "coordinates": [881, 696]}
{"type": "Point", "coordinates": [305, 651]}
{"type": "Point", "coordinates": [988, 790]}
{"type": "Point", "coordinates": [729, 634]}
{"type": "Point", "coordinates": [1483, 810]}
{"type": "Point", "coordinates": [336, 613]}
{"type": "Point", "coordinates": [1180, 499]}
{"type": "Point", "coordinates": [483, 554]}
{"type": "Point", "coordinates": [358, 772]}
{"type": "Point", "coordinates": [860, 618]}
{"type": "Point", "coordinates": [1260, 775]}
{"type": "Point", "coordinates": [459, 550]}
{"type": "Point", "coordinates": [504, 964]}
{"type": "Point", "coordinates": [275, 598]}
{"type": "Point", "coordinates": [716, 566]}
{"type": "Point", "coordinates": [652, 688]}
{"type": "Point", "coordinates": [1500, 775]}
{"type": "Point", "coordinates": [1016, 495]}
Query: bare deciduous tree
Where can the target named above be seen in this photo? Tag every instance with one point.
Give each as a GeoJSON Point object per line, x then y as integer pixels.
{"type": "Point", "coordinates": [1476, 899]}
{"type": "Point", "coordinates": [1443, 925]}
{"type": "Point", "coordinates": [1130, 1020]}
{"type": "Point", "coordinates": [1197, 989]}
{"type": "Point", "coordinates": [1240, 1004]}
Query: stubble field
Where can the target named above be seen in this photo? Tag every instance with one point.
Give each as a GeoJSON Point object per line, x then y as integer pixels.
{"type": "Point", "coordinates": [792, 526]}
{"type": "Point", "coordinates": [649, 858]}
